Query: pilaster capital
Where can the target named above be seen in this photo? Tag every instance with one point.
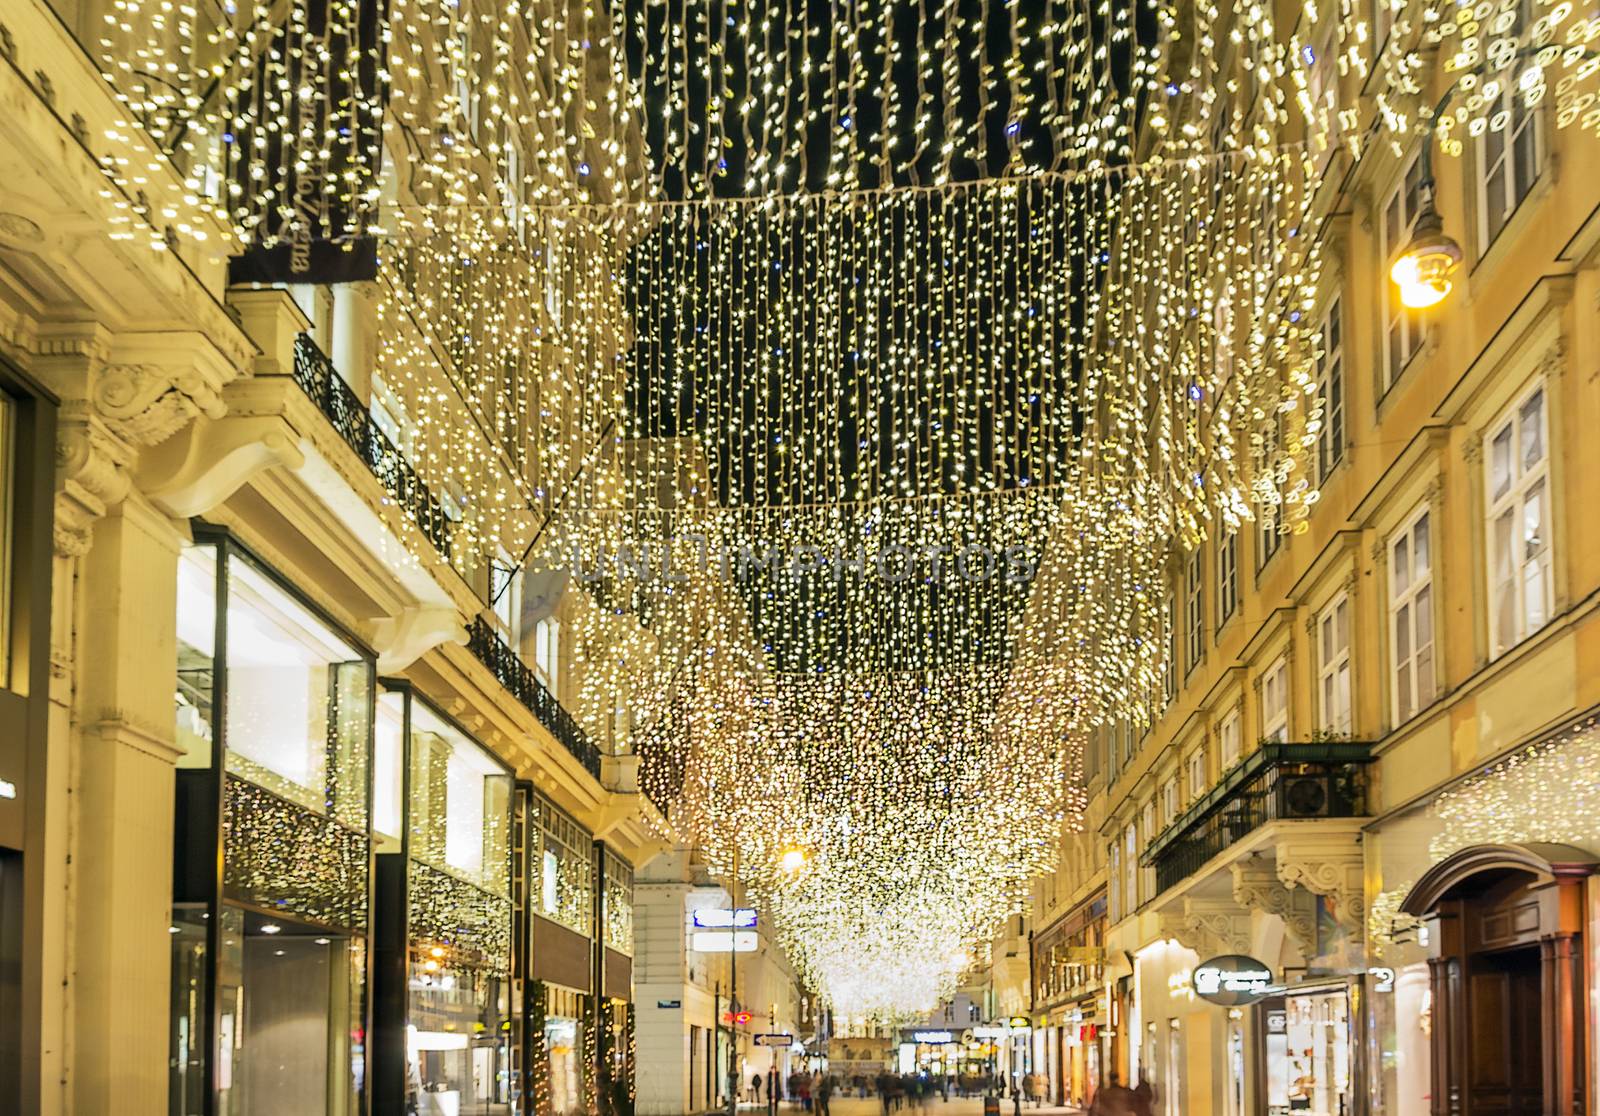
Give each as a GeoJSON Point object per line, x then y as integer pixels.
{"type": "Point", "coordinates": [92, 476]}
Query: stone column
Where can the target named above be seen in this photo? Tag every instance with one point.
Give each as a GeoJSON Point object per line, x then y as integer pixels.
{"type": "Point", "coordinates": [123, 755]}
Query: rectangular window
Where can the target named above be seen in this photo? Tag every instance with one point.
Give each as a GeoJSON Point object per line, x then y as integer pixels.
{"type": "Point", "coordinates": [1169, 801]}
{"type": "Point", "coordinates": [1330, 390]}
{"type": "Point", "coordinates": [1228, 740]}
{"type": "Point", "coordinates": [1169, 679]}
{"type": "Point", "coordinates": [1322, 92]}
{"type": "Point", "coordinates": [1508, 162]}
{"type": "Point", "coordinates": [1402, 326]}
{"type": "Point", "coordinates": [1147, 877]}
{"type": "Point", "coordinates": [505, 584]}
{"type": "Point", "coordinates": [547, 651]}
{"type": "Point", "coordinates": [1114, 874]}
{"type": "Point", "coordinates": [1227, 576]}
{"type": "Point", "coordinates": [1197, 773]}
{"type": "Point", "coordinates": [1194, 610]}
{"type": "Point", "coordinates": [1333, 665]}
{"type": "Point", "coordinates": [1130, 870]}
{"type": "Point", "coordinates": [1269, 514]}
{"type": "Point", "coordinates": [1411, 617]}
{"type": "Point", "coordinates": [1275, 702]}
{"type": "Point", "coordinates": [1518, 486]}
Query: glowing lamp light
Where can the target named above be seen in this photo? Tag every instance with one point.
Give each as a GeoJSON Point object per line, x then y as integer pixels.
{"type": "Point", "coordinates": [792, 859]}
{"type": "Point", "coordinates": [1424, 272]}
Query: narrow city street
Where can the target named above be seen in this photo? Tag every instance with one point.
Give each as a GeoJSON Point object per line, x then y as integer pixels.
{"type": "Point", "coordinates": [578, 557]}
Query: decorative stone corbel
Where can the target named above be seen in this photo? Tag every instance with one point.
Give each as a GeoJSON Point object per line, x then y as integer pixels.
{"type": "Point", "coordinates": [146, 406]}
{"type": "Point", "coordinates": [1328, 865]}
{"type": "Point", "coordinates": [207, 462]}
{"type": "Point", "coordinates": [620, 774]}
{"type": "Point", "coordinates": [402, 640]}
{"type": "Point", "coordinates": [1256, 886]}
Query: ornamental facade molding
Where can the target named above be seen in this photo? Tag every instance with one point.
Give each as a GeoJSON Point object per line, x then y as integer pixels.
{"type": "Point", "coordinates": [1256, 886]}
{"type": "Point", "coordinates": [1330, 866]}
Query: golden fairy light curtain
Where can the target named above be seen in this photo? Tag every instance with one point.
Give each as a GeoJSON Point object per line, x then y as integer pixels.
{"type": "Point", "coordinates": [866, 364]}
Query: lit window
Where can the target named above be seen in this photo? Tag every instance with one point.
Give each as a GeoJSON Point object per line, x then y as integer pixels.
{"type": "Point", "coordinates": [1228, 740]}
{"type": "Point", "coordinates": [1411, 617]}
{"type": "Point", "coordinates": [1275, 702]}
{"type": "Point", "coordinates": [1402, 325]}
{"type": "Point", "coordinates": [1330, 389]}
{"type": "Point", "coordinates": [1333, 665]}
{"type": "Point", "coordinates": [1227, 576]}
{"type": "Point", "coordinates": [1519, 523]}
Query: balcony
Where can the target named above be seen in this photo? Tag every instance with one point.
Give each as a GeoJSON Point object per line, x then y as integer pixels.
{"type": "Point", "coordinates": [513, 674]}
{"type": "Point", "coordinates": [1278, 782]}
{"type": "Point", "coordinates": [323, 385]}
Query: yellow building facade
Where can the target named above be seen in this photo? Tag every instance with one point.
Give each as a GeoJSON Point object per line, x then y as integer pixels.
{"type": "Point", "coordinates": [1397, 690]}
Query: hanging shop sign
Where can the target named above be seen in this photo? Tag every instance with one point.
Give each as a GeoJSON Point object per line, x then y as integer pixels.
{"type": "Point", "coordinates": [936, 1038]}
{"type": "Point", "coordinates": [713, 918]}
{"type": "Point", "coordinates": [1382, 978]}
{"type": "Point", "coordinates": [774, 1040]}
{"type": "Point", "coordinates": [988, 1031]}
{"type": "Point", "coordinates": [1232, 980]}
{"type": "Point", "coordinates": [669, 1005]}
{"type": "Point", "coordinates": [1020, 1023]}
{"type": "Point", "coordinates": [723, 941]}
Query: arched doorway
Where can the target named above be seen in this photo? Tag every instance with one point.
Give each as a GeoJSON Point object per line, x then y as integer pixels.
{"type": "Point", "coordinates": [1506, 967]}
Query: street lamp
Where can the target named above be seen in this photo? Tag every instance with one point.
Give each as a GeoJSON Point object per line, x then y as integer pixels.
{"type": "Point", "coordinates": [1424, 272]}
{"type": "Point", "coordinates": [792, 859]}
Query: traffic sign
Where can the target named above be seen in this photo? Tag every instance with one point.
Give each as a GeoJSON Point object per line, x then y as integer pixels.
{"type": "Point", "coordinates": [774, 1040]}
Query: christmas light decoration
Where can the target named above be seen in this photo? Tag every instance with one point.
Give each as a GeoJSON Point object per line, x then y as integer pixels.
{"type": "Point", "coordinates": [866, 370]}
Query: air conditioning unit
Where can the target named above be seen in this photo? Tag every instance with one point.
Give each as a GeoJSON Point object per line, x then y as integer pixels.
{"type": "Point", "coordinates": [1304, 796]}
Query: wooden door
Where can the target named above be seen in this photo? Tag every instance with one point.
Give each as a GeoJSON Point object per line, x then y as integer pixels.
{"type": "Point", "coordinates": [1504, 1046]}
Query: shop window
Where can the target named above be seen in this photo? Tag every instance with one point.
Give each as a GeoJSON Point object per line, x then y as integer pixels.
{"type": "Point", "coordinates": [388, 772]}
{"type": "Point", "coordinates": [1519, 523]}
{"type": "Point", "coordinates": [1411, 617]}
{"type": "Point", "coordinates": [1309, 1055]}
{"type": "Point", "coordinates": [297, 693]}
{"type": "Point", "coordinates": [618, 930]}
{"type": "Point", "coordinates": [1333, 665]}
{"type": "Point", "coordinates": [565, 861]}
{"type": "Point", "coordinates": [197, 655]}
{"type": "Point", "coordinates": [1402, 326]}
{"type": "Point", "coordinates": [1275, 702]}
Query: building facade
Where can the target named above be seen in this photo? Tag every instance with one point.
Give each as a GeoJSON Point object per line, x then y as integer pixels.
{"type": "Point", "coordinates": [303, 797]}
{"type": "Point", "coordinates": [1367, 766]}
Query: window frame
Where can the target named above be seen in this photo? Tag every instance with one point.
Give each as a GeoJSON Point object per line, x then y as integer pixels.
{"type": "Point", "coordinates": [1410, 697]}
{"type": "Point", "coordinates": [1514, 502]}
{"type": "Point", "coordinates": [1277, 672]}
{"type": "Point", "coordinates": [1194, 611]}
{"type": "Point", "coordinates": [1229, 757]}
{"type": "Point", "coordinates": [1227, 576]}
{"type": "Point", "coordinates": [1335, 669]}
{"type": "Point", "coordinates": [1330, 389]}
{"type": "Point", "coordinates": [1522, 117]}
{"type": "Point", "coordinates": [1407, 193]}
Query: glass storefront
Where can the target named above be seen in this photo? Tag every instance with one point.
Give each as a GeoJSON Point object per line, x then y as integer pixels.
{"type": "Point", "coordinates": [276, 1022]}
{"type": "Point", "coordinates": [562, 861]}
{"type": "Point", "coordinates": [1309, 1054]}
{"type": "Point", "coordinates": [566, 1043]}
{"type": "Point", "coordinates": [458, 880]}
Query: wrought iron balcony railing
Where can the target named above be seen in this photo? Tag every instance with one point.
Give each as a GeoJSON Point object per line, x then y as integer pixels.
{"type": "Point", "coordinates": [493, 652]}
{"type": "Point", "coordinates": [1277, 782]}
{"type": "Point", "coordinates": [316, 375]}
